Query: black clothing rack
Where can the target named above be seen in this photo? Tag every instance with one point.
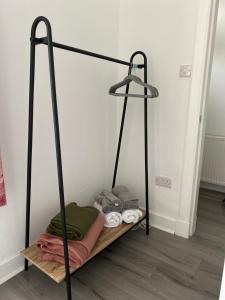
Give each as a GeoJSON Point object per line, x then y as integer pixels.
{"type": "Point", "coordinates": [50, 44]}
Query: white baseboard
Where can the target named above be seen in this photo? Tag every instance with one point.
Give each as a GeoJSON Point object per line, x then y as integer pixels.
{"type": "Point", "coordinates": [10, 267]}
{"type": "Point", "coordinates": [212, 186]}
{"type": "Point", "coordinates": [162, 222]}
{"type": "Point", "coordinates": [170, 225]}
{"type": "Point", "coordinates": [182, 229]}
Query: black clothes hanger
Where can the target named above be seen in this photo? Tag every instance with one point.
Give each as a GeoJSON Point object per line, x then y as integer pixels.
{"type": "Point", "coordinates": [153, 91]}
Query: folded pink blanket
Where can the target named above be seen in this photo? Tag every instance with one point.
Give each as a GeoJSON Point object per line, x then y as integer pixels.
{"type": "Point", "coordinates": [52, 246]}
{"type": "Point", "coordinates": [2, 187]}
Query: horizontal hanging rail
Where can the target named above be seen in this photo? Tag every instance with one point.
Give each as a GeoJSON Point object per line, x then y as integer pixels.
{"type": "Point", "coordinates": [44, 41]}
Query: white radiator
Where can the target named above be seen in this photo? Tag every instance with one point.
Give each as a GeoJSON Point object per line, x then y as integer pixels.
{"type": "Point", "coordinates": [213, 169]}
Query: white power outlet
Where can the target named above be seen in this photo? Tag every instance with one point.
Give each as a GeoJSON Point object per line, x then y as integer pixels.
{"type": "Point", "coordinates": [163, 181]}
{"type": "Point", "coordinates": [185, 71]}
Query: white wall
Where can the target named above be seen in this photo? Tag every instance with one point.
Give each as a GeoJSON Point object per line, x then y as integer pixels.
{"type": "Point", "coordinates": [86, 114]}
{"type": "Point", "coordinates": [216, 103]}
{"type": "Point", "coordinates": [165, 31]}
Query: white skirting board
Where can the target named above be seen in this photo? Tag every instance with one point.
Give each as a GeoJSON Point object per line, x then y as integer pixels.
{"type": "Point", "coordinates": [212, 187]}
{"type": "Point", "coordinates": [182, 229]}
{"type": "Point", "coordinates": [170, 225]}
{"type": "Point", "coordinates": [11, 267]}
{"type": "Point", "coordinates": [162, 222]}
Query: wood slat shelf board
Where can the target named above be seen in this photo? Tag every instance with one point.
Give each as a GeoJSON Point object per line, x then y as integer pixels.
{"type": "Point", "coordinates": [56, 271]}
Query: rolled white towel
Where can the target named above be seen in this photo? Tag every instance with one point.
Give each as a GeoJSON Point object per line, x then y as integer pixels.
{"type": "Point", "coordinates": [113, 219]}
{"type": "Point", "coordinates": [131, 215]}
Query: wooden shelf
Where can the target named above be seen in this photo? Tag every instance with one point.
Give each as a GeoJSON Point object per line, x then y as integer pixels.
{"type": "Point", "coordinates": [57, 271]}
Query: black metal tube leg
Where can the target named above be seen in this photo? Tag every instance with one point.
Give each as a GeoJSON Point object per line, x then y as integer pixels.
{"type": "Point", "coordinates": [57, 143]}
{"type": "Point", "coordinates": [146, 149]}
{"type": "Point", "coordinates": [120, 138]}
{"type": "Point", "coordinates": [29, 151]}
{"type": "Point", "coordinates": [145, 135]}
{"type": "Point", "coordinates": [59, 161]}
{"type": "Point", "coordinates": [120, 134]}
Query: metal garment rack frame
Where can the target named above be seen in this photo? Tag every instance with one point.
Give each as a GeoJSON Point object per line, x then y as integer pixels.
{"type": "Point", "coordinates": [50, 44]}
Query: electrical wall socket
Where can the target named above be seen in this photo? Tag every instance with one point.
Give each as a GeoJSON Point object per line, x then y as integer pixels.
{"type": "Point", "coordinates": [185, 71]}
{"type": "Point", "coordinates": [163, 181]}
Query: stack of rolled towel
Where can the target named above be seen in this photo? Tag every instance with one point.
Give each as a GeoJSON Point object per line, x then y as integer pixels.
{"type": "Point", "coordinates": [118, 206]}
{"type": "Point", "coordinates": [83, 224]}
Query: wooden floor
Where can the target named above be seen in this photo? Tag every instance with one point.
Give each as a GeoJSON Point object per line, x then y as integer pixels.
{"type": "Point", "coordinates": [160, 267]}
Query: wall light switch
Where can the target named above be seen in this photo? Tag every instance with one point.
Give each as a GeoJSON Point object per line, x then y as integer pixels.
{"type": "Point", "coordinates": [185, 71]}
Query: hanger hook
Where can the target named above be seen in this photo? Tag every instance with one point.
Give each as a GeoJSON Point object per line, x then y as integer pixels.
{"type": "Point", "coordinates": [134, 68]}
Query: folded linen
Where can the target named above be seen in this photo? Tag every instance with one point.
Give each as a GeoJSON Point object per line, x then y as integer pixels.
{"type": "Point", "coordinates": [113, 219]}
{"type": "Point", "coordinates": [131, 215]}
{"type": "Point", "coordinates": [78, 221]}
{"type": "Point", "coordinates": [52, 246]}
{"type": "Point", "coordinates": [122, 192]}
{"type": "Point", "coordinates": [109, 202]}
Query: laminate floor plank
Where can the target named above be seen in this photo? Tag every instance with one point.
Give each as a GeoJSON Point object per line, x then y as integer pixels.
{"type": "Point", "coordinates": [124, 283]}
{"type": "Point", "coordinates": [163, 252]}
{"type": "Point", "coordinates": [178, 287]}
{"type": "Point", "coordinates": [158, 267]}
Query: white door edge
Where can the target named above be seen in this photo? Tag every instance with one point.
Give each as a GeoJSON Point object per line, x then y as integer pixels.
{"type": "Point", "coordinates": [208, 10]}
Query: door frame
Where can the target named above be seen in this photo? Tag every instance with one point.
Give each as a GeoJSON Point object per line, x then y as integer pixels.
{"type": "Point", "coordinates": [195, 132]}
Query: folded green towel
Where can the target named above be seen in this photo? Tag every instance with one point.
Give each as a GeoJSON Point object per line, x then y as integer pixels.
{"type": "Point", "coordinates": [78, 221]}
